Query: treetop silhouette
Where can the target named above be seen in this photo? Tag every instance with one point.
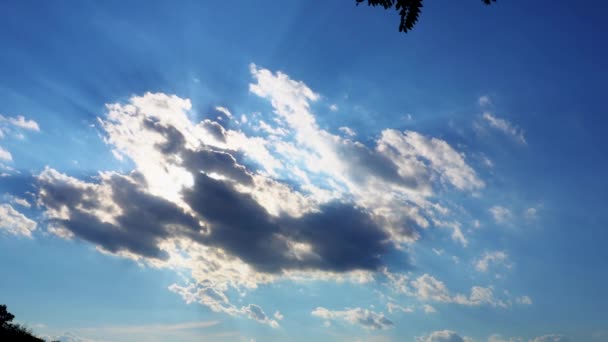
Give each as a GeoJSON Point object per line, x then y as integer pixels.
{"type": "Point", "coordinates": [409, 10]}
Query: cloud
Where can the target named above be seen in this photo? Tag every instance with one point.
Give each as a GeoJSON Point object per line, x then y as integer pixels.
{"type": "Point", "coordinates": [235, 210]}
{"type": "Point", "coordinates": [505, 126]}
{"type": "Point", "coordinates": [428, 309]}
{"type": "Point", "coordinates": [443, 336]}
{"type": "Point", "coordinates": [68, 336]}
{"type": "Point", "coordinates": [480, 296]}
{"type": "Point", "coordinates": [484, 101]}
{"type": "Point", "coordinates": [525, 300]}
{"type": "Point", "coordinates": [256, 313]}
{"type": "Point", "coordinates": [550, 338]}
{"type": "Point", "coordinates": [22, 122]}
{"type": "Point", "coordinates": [392, 307]}
{"type": "Point", "coordinates": [5, 155]}
{"type": "Point", "coordinates": [531, 213]}
{"type": "Point", "coordinates": [365, 318]}
{"type": "Point", "coordinates": [499, 338]}
{"type": "Point", "coordinates": [500, 214]}
{"type": "Point", "coordinates": [333, 107]}
{"type": "Point", "coordinates": [347, 131]}
{"type": "Point", "coordinates": [21, 201]}
{"type": "Point", "coordinates": [14, 222]}
{"type": "Point", "coordinates": [13, 125]}
{"type": "Point", "coordinates": [117, 214]}
{"type": "Point", "coordinates": [218, 302]}
{"type": "Point", "coordinates": [135, 332]}
{"type": "Point", "coordinates": [492, 258]}
{"type": "Point", "coordinates": [428, 288]}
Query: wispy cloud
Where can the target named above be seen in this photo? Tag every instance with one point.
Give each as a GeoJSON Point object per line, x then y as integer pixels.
{"type": "Point", "coordinates": [505, 126]}
{"type": "Point", "coordinates": [363, 317]}
{"type": "Point", "coordinates": [14, 222]}
{"type": "Point", "coordinates": [500, 214]}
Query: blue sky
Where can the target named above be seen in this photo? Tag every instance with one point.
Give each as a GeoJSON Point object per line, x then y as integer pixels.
{"type": "Point", "coordinates": [225, 171]}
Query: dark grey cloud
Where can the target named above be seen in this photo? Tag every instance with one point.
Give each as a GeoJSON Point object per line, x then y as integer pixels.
{"type": "Point", "coordinates": [342, 237]}
{"type": "Point", "coordinates": [216, 161]}
{"type": "Point", "coordinates": [174, 139]}
{"type": "Point", "coordinates": [215, 130]}
{"type": "Point", "coordinates": [145, 220]}
{"type": "Point", "coordinates": [363, 163]}
{"type": "Point", "coordinates": [238, 224]}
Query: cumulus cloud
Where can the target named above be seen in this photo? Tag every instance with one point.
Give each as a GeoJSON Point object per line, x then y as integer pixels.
{"type": "Point", "coordinates": [429, 289]}
{"type": "Point", "coordinates": [5, 155]}
{"type": "Point", "coordinates": [443, 336]}
{"type": "Point", "coordinates": [500, 214]}
{"type": "Point", "coordinates": [363, 317]}
{"type": "Point", "coordinates": [505, 126]}
{"type": "Point", "coordinates": [238, 210]}
{"type": "Point", "coordinates": [21, 201]}
{"type": "Point", "coordinates": [499, 338]}
{"type": "Point", "coordinates": [492, 258]}
{"type": "Point", "coordinates": [428, 309]}
{"type": "Point", "coordinates": [19, 121]}
{"type": "Point", "coordinates": [347, 131]}
{"type": "Point", "coordinates": [14, 222]}
{"type": "Point", "coordinates": [13, 125]}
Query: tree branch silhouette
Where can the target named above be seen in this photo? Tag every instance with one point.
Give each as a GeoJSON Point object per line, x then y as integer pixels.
{"type": "Point", "coordinates": [409, 10]}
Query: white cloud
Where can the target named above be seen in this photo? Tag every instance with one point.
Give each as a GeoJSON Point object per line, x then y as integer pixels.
{"type": "Point", "coordinates": [365, 318]}
{"type": "Point", "coordinates": [443, 336]}
{"type": "Point", "coordinates": [484, 101]}
{"type": "Point", "coordinates": [531, 213]}
{"type": "Point", "coordinates": [427, 288]}
{"type": "Point", "coordinates": [219, 302]}
{"type": "Point", "coordinates": [550, 338]}
{"type": "Point", "coordinates": [480, 296]}
{"type": "Point", "coordinates": [393, 308]}
{"type": "Point", "coordinates": [68, 336]}
{"type": "Point", "coordinates": [439, 252]}
{"type": "Point", "coordinates": [499, 338]}
{"type": "Point", "coordinates": [15, 222]}
{"type": "Point", "coordinates": [505, 127]}
{"type": "Point", "coordinates": [492, 258]}
{"type": "Point", "coordinates": [428, 309]}
{"type": "Point", "coordinates": [525, 300]}
{"type": "Point", "coordinates": [500, 214]}
{"type": "Point", "coordinates": [21, 201]}
{"type": "Point", "coordinates": [12, 125]}
{"type": "Point", "coordinates": [21, 122]}
{"type": "Point", "coordinates": [5, 155]}
{"type": "Point", "coordinates": [333, 107]}
{"type": "Point", "coordinates": [224, 111]}
{"type": "Point", "coordinates": [347, 131]}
